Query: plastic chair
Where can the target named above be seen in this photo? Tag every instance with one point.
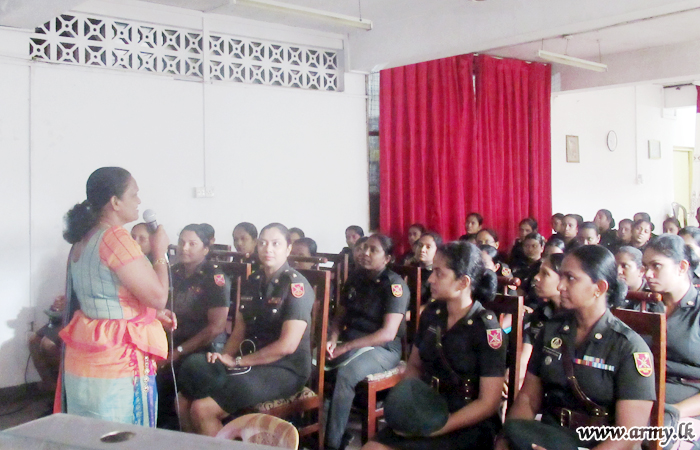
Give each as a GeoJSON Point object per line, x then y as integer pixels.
{"type": "Point", "coordinates": [261, 429]}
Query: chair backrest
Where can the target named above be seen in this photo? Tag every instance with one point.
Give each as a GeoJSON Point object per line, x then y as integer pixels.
{"type": "Point", "coordinates": [315, 260]}
{"type": "Point", "coordinates": [320, 280]}
{"type": "Point", "coordinates": [513, 305]}
{"type": "Point", "coordinates": [262, 429]}
{"type": "Point", "coordinates": [680, 213]}
{"type": "Point", "coordinates": [507, 283]}
{"type": "Point", "coordinates": [653, 325]}
{"type": "Point", "coordinates": [237, 273]}
{"type": "Point", "coordinates": [643, 298]}
{"type": "Point", "coordinates": [229, 256]}
{"type": "Point", "coordinates": [340, 270]}
{"type": "Point", "coordinates": [412, 277]}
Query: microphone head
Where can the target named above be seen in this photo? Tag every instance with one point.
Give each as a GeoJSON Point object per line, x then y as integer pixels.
{"type": "Point", "coordinates": [149, 216]}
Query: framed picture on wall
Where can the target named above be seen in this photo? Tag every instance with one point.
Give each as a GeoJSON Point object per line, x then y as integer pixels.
{"type": "Point", "coordinates": [572, 154]}
{"type": "Point", "coordinates": [654, 149]}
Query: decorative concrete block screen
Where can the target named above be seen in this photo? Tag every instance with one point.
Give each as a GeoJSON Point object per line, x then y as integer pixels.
{"type": "Point", "coordinates": [141, 47]}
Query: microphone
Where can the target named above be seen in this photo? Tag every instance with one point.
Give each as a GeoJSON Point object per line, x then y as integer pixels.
{"type": "Point", "coordinates": [149, 216]}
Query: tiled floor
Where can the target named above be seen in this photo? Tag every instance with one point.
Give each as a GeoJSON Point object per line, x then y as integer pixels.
{"type": "Point", "coordinates": [33, 405]}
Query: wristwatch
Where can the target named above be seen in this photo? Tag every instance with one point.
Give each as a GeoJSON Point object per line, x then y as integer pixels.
{"type": "Point", "coordinates": [238, 361]}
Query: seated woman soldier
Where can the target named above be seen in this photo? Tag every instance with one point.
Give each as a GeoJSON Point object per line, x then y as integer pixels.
{"type": "Point", "coordinates": [426, 247]}
{"type": "Point", "coordinates": [592, 367]}
{"type": "Point", "coordinates": [267, 356]}
{"type": "Point", "coordinates": [671, 226]}
{"type": "Point", "coordinates": [415, 231]}
{"type": "Point", "coordinates": [472, 225]}
{"type": "Point", "coordinates": [630, 271]}
{"type": "Point", "coordinates": [588, 234]}
{"type": "Point", "coordinates": [459, 351]}
{"type": "Point", "coordinates": [668, 265]}
{"type": "Point", "coordinates": [624, 232]}
{"type": "Point", "coordinates": [517, 255]}
{"type": "Point", "coordinates": [245, 237]}
{"type": "Point", "coordinates": [606, 224]}
{"type": "Point", "coordinates": [546, 284]}
{"type": "Point", "coordinates": [691, 236]}
{"type": "Point", "coordinates": [366, 330]}
{"type": "Point", "coordinates": [641, 233]}
{"type": "Point", "coordinates": [201, 299]}
{"type": "Point", "coordinates": [533, 246]}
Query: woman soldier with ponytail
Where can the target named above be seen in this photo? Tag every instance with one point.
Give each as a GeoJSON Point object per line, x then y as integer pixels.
{"type": "Point", "coordinates": [115, 336]}
{"type": "Point", "coordinates": [594, 370]}
{"type": "Point", "coordinates": [458, 352]}
{"type": "Point", "coordinates": [669, 264]}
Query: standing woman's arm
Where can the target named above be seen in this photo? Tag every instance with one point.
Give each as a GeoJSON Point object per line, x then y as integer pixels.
{"type": "Point", "coordinates": [149, 284]}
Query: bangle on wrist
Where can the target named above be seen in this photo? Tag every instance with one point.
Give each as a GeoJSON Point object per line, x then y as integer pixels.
{"type": "Point", "coordinates": [160, 261]}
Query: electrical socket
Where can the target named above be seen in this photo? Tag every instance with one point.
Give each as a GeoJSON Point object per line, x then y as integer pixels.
{"type": "Point", "coordinates": [203, 192]}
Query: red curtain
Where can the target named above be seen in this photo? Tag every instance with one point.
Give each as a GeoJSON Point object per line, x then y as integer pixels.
{"type": "Point", "coordinates": [426, 123]}
{"type": "Point", "coordinates": [465, 134]}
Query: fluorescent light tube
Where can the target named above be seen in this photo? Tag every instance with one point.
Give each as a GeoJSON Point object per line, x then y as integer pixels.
{"type": "Point", "coordinates": [571, 61]}
{"type": "Point", "coordinates": [340, 19]}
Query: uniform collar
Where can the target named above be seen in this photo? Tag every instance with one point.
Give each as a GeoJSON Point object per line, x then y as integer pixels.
{"type": "Point", "coordinates": [179, 269]}
{"type": "Point", "coordinates": [275, 276]}
{"type": "Point", "coordinates": [568, 326]}
{"type": "Point", "coordinates": [690, 298]}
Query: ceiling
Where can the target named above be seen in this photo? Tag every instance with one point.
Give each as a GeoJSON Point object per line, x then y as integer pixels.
{"type": "Point", "coordinates": [410, 31]}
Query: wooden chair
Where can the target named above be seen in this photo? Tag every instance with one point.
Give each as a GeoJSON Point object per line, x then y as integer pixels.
{"type": "Point", "coordinates": [505, 284]}
{"type": "Point", "coordinates": [237, 273]}
{"type": "Point", "coordinates": [262, 429]}
{"type": "Point", "coordinates": [375, 383]}
{"type": "Point", "coordinates": [653, 325]}
{"type": "Point", "coordinates": [315, 260]}
{"type": "Point", "coordinates": [310, 399]}
{"type": "Point", "coordinates": [216, 249]}
{"type": "Point", "coordinates": [229, 256]}
{"type": "Point", "coordinates": [340, 271]}
{"type": "Point", "coordinates": [643, 298]}
{"type": "Point", "coordinates": [512, 305]}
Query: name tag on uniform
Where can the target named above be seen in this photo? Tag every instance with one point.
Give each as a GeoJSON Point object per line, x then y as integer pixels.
{"type": "Point", "coordinates": [274, 301]}
{"type": "Point", "coordinates": [246, 298]}
{"type": "Point", "coordinates": [432, 330]}
{"type": "Point", "coordinates": [552, 352]}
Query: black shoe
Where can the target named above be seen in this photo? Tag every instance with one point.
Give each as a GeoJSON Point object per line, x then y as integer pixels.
{"type": "Point", "coordinates": [346, 440]}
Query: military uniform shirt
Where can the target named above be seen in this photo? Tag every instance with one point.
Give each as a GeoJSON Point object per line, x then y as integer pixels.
{"type": "Point", "coordinates": [534, 323]}
{"type": "Point", "coordinates": [474, 346]}
{"type": "Point", "coordinates": [683, 348]}
{"type": "Point", "coordinates": [613, 363]}
{"type": "Point", "coordinates": [366, 302]}
{"type": "Point", "coordinates": [266, 305]}
{"type": "Point", "coordinates": [193, 296]}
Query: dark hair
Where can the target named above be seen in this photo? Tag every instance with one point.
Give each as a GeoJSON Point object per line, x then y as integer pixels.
{"type": "Point", "coordinates": [101, 186]}
{"type": "Point", "coordinates": [589, 226]}
{"type": "Point", "coordinates": [204, 232]}
{"type": "Point", "coordinates": [646, 217]}
{"type": "Point", "coordinates": [248, 228]}
{"type": "Point", "coordinates": [559, 216]}
{"type": "Point", "coordinates": [357, 229]}
{"type": "Point", "coordinates": [298, 231]}
{"type": "Point", "coordinates": [529, 221]}
{"type": "Point", "coordinates": [674, 221]}
{"type": "Point", "coordinates": [309, 243]}
{"type": "Point", "coordinates": [361, 241]}
{"type": "Point", "coordinates": [420, 226]}
{"type": "Point", "coordinates": [674, 248]}
{"type": "Point", "coordinates": [555, 260]}
{"type": "Point", "coordinates": [490, 251]}
{"type": "Point", "coordinates": [625, 221]}
{"type": "Point", "coordinates": [477, 216]}
{"type": "Point", "coordinates": [386, 243]}
{"type": "Point", "coordinates": [535, 236]}
{"type": "Point", "coordinates": [433, 234]}
{"type": "Point", "coordinates": [599, 264]}
{"type": "Point", "coordinates": [141, 224]}
{"type": "Point", "coordinates": [691, 231]}
{"type": "Point", "coordinates": [208, 230]}
{"type": "Point", "coordinates": [577, 217]}
{"type": "Point", "coordinates": [490, 231]}
{"type": "Point", "coordinates": [464, 259]}
{"type": "Point", "coordinates": [608, 215]}
{"type": "Point", "coordinates": [557, 242]}
{"type": "Point", "coordinates": [635, 253]}
{"type": "Point", "coordinates": [282, 229]}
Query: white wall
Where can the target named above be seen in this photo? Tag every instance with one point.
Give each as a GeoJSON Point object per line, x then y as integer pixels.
{"type": "Point", "coordinates": [605, 179]}
{"type": "Point", "coordinates": [271, 154]}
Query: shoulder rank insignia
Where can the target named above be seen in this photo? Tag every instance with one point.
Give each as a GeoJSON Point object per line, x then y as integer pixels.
{"type": "Point", "coordinates": [397, 290]}
{"type": "Point", "coordinates": [219, 279]}
{"type": "Point", "coordinates": [298, 290]}
{"type": "Point", "coordinates": [643, 362]}
{"type": "Point", "coordinates": [506, 272]}
{"type": "Point", "coordinates": [495, 338]}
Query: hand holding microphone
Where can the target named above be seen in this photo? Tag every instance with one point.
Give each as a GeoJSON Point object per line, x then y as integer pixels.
{"type": "Point", "coordinates": [159, 239]}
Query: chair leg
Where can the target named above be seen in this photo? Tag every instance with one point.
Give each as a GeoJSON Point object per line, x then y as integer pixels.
{"type": "Point", "coordinates": [369, 425]}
